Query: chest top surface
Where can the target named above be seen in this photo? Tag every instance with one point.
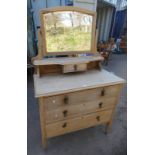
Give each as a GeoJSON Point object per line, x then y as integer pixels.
{"type": "Point", "coordinates": [65, 83]}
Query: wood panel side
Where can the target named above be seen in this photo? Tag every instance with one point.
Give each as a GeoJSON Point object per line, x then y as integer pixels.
{"type": "Point", "coordinates": [50, 69]}
{"type": "Point", "coordinates": [93, 65]}
{"type": "Point", "coordinates": [109, 124]}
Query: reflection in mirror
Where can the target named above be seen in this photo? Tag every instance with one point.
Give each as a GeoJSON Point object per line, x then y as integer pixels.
{"type": "Point", "coordinates": [67, 31]}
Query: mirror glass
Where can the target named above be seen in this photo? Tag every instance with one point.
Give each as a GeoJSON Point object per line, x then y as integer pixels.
{"type": "Point", "coordinates": [67, 31]}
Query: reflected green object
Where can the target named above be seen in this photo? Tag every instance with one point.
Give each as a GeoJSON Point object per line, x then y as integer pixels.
{"type": "Point", "coordinates": [67, 31]}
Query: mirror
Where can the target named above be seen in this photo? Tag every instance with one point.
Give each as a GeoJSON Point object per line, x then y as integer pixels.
{"type": "Point", "coordinates": [67, 31]}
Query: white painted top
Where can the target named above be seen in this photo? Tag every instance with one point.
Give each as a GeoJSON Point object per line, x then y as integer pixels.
{"type": "Point", "coordinates": [65, 83]}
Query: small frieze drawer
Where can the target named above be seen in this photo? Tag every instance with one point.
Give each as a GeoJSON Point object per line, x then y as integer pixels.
{"type": "Point", "coordinates": [74, 67]}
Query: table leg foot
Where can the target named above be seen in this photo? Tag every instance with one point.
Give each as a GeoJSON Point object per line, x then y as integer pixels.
{"type": "Point", "coordinates": [108, 128]}
{"type": "Point", "coordinates": [44, 143]}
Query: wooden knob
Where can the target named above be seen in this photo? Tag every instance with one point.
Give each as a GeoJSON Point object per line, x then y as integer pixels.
{"type": "Point", "coordinates": [66, 100]}
{"type": "Point", "coordinates": [103, 92]}
{"type": "Point", "coordinates": [100, 105]}
{"type": "Point", "coordinates": [98, 118]}
{"type": "Point", "coordinates": [64, 125]}
{"type": "Point", "coordinates": [65, 113]}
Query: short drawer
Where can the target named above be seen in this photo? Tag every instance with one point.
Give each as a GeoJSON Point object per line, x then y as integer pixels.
{"type": "Point", "coordinates": [70, 125]}
{"type": "Point", "coordinates": [71, 111]}
{"type": "Point", "coordinates": [68, 68]}
{"type": "Point", "coordinates": [74, 67]}
{"type": "Point", "coordinates": [54, 102]}
{"type": "Point", "coordinates": [81, 67]}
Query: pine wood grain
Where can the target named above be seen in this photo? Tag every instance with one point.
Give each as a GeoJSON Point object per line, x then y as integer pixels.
{"type": "Point", "coordinates": [74, 110]}
{"type": "Point", "coordinates": [77, 123]}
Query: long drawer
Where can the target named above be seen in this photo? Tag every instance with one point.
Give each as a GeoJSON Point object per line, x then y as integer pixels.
{"type": "Point", "coordinates": [77, 123]}
{"type": "Point", "coordinates": [53, 102]}
{"type": "Point", "coordinates": [71, 111]}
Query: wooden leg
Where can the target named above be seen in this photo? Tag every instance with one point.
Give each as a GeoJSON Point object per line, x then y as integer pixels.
{"type": "Point", "coordinates": [44, 142]}
{"type": "Point", "coordinates": [42, 122]}
{"type": "Point", "coordinates": [108, 128]}
{"type": "Point", "coordinates": [109, 123]}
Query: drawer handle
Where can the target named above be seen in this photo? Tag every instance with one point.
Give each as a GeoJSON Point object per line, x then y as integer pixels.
{"type": "Point", "coordinates": [100, 105]}
{"type": "Point", "coordinates": [75, 67]}
{"type": "Point", "coordinates": [66, 100]}
{"type": "Point", "coordinates": [98, 118]}
{"type": "Point", "coordinates": [64, 125]}
{"type": "Point", "coordinates": [103, 92]}
{"type": "Point", "coordinates": [65, 113]}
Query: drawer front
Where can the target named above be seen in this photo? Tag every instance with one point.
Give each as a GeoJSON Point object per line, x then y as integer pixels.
{"type": "Point", "coordinates": [64, 112]}
{"type": "Point", "coordinates": [81, 67]}
{"type": "Point", "coordinates": [68, 68]}
{"type": "Point", "coordinates": [74, 68]}
{"type": "Point", "coordinates": [70, 125]}
{"type": "Point", "coordinates": [54, 102]}
{"type": "Point", "coordinates": [92, 94]}
{"type": "Point", "coordinates": [70, 111]}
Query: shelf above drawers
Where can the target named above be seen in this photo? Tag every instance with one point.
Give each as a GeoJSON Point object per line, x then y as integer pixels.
{"type": "Point", "coordinates": [67, 64]}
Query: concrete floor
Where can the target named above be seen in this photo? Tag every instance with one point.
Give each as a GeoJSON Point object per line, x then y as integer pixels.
{"type": "Point", "coordinates": [90, 141]}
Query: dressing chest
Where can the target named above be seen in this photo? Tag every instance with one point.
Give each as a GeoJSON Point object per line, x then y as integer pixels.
{"type": "Point", "coordinates": [73, 92]}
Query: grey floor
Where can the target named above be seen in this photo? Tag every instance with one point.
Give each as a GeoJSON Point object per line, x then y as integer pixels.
{"type": "Point", "coordinates": [90, 141]}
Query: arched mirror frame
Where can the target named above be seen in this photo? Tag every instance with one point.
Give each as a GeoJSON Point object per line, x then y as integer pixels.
{"type": "Point", "coordinates": [68, 8]}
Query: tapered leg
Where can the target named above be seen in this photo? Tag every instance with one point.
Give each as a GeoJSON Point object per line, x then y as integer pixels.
{"type": "Point", "coordinates": [108, 127]}
{"type": "Point", "coordinates": [44, 142]}
{"type": "Point", "coordinates": [42, 122]}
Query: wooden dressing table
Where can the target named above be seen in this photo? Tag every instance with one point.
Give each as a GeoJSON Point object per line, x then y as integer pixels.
{"type": "Point", "coordinates": [73, 92]}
